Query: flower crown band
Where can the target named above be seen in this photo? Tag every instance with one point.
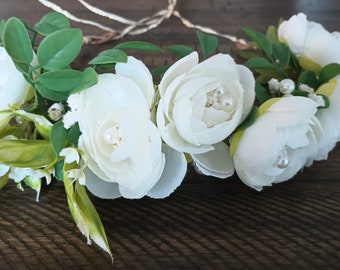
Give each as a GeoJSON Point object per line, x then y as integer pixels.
{"type": "Point", "coordinates": [117, 129]}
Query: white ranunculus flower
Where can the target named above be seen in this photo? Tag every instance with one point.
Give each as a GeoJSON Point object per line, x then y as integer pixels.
{"type": "Point", "coordinates": [314, 46]}
{"type": "Point", "coordinates": [14, 89]}
{"type": "Point", "coordinates": [329, 119]}
{"type": "Point", "coordinates": [123, 145]}
{"type": "Point", "coordinates": [278, 144]}
{"type": "Point", "coordinates": [201, 105]}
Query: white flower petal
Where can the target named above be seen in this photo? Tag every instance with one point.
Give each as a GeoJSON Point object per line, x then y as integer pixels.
{"type": "Point", "coordinates": [217, 163]}
{"type": "Point", "coordinates": [172, 176]}
{"type": "Point", "coordinates": [100, 188]}
{"type": "Point", "coordinates": [137, 71]}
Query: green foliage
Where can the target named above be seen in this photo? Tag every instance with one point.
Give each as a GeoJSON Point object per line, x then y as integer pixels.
{"type": "Point", "coordinates": [26, 153]}
{"type": "Point", "coordinates": [261, 93]}
{"type": "Point", "coordinates": [2, 29]}
{"type": "Point", "coordinates": [309, 78]}
{"type": "Point", "coordinates": [282, 53]}
{"type": "Point", "coordinates": [52, 22]}
{"type": "Point", "coordinates": [250, 119]}
{"type": "Point", "coordinates": [180, 50]}
{"type": "Point", "coordinates": [110, 56]}
{"type": "Point", "coordinates": [160, 70]}
{"type": "Point", "coordinates": [328, 72]}
{"type": "Point", "coordinates": [83, 211]}
{"type": "Point", "coordinates": [68, 80]}
{"type": "Point", "coordinates": [208, 43]}
{"type": "Point", "coordinates": [58, 137]}
{"type": "Point", "coordinates": [74, 134]}
{"type": "Point", "coordinates": [138, 45]}
{"type": "Point", "coordinates": [15, 33]}
{"type": "Point", "coordinates": [261, 41]}
{"type": "Point", "coordinates": [59, 49]}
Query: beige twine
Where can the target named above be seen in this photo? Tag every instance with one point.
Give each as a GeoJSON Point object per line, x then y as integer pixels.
{"type": "Point", "coordinates": [133, 27]}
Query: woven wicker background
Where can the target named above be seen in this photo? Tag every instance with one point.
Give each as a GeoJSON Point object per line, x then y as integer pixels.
{"type": "Point", "coordinates": [207, 223]}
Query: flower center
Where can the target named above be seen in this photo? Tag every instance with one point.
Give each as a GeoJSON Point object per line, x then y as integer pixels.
{"type": "Point", "coordinates": [219, 100]}
{"type": "Point", "coordinates": [112, 136]}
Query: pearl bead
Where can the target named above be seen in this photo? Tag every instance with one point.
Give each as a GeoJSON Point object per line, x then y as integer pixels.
{"type": "Point", "coordinates": [227, 101]}
{"type": "Point", "coordinates": [287, 86]}
{"type": "Point", "coordinates": [111, 136]}
{"type": "Point", "coordinates": [282, 162]}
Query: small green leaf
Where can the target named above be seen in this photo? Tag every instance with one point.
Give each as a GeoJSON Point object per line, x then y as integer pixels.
{"type": "Point", "coordinates": [68, 80]}
{"type": "Point", "coordinates": [271, 34]}
{"type": "Point", "coordinates": [208, 43]}
{"type": "Point", "coordinates": [326, 100]}
{"type": "Point", "coordinates": [261, 93]}
{"type": "Point", "coordinates": [59, 49]}
{"type": "Point", "coordinates": [261, 40]}
{"type": "Point", "coordinates": [250, 53]}
{"type": "Point", "coordinates": [328, 72]}
{"type": "Point", "coordinates": [49, 94]}
{"type": "Point", "coordinates": [282, 53]}
{"type": "Point", "coordinates": [74, 134]}
{"type": "Point", "coordinates": [160, 70]}
{"type": "Point", "coordinates": [259, 62]}
{"type": "Point", "coordinates": [52, 22]}
{"type": "Point", "coordinates": [180, 50]}
{"type": "Point", "coordinates": [59, 170]}
{"type": "Point", "coordinates": [17, 42]}
{"type": "Point", "coordinates": [138, 45]}
{"type": "Point", "coordinates": [26, 153]}
{"type": "Point", "coordinates": [83, 211]}
{"type": "Point", "coordinates": [309, 78]}
{"type": "Point", "coordinates": [2, 29]}
{"type": "Point", "coordinates": [109, 57]}
{"type": "Point", "coordinates": [4, 180]}
{"type": "Point", "coordinates": [250, 119]}
{"type": "Point", "coordinates": [58, 136]}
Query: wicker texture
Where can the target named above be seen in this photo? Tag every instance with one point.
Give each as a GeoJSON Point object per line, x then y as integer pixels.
{"type": "Point", "coordinates": [206, 223]}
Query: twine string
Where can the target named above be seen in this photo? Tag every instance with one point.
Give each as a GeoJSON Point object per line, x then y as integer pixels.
{"type": "Point", "coordinates": [133, 27]}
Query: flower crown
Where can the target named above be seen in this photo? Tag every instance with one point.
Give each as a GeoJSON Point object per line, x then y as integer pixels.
{"type": "Point", "coordinates": [118, 130]}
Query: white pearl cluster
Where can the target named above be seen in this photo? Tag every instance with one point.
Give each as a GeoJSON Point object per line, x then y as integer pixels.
{"type": "Point", "coordinates": [219, 100]}
{"type": "Point", "coordinates": [112, 136]}
{"type": "Point", "coordinates": [286, 86]}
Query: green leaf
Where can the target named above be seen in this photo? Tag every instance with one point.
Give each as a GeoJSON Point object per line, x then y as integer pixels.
{"type": "Point", "coordinates": [180, 50]}
{"type": "Point", "coordinates": [271, 34]}
{"type": "Point", "coordinates": [49, 94]}
{"type": "Point", "coordinates": [2, 29]}
{"type": "Point", "coordinates": [52, 22]}
{"type": "Point", "coordinates": [67, 81]}
{"type": "Point", "coordinates": [58, 136]}
{"type": "Point", "coordinates": [83, 211]}
{"type": "Point", "coordinates": [309, 78]}
{"type": "Point", "coordinates": [17, 42]}
{"type": "Point", "coordinates": [208, 43]}
{"type": "Point", "coordinates": [109, 57]}
{"type": "Point", "coordinates": [59, 49]}
{"type": "Point", "coordinates": [160, 70]}
{"type": "Point", "coordinates": [4, 180]}
{"type": "Point", "coordinates": [74, 134]}
{"type": "Point", "coordinates": [328, 72]}
{"type": "Point", "coordinates": [249, 120]}
{"type": "Point", "coordinates": [261, 40]}
{"type": "Point", "coordinates": [282, 53]}
{"type": "Point", "coordinates": [261, 93]}
{"type": "Point", "coordinates": [26, 153]}
{"type": "Point", "coordinates": [326, 100]}
{"type": "Point", "coordinates": [250, 53]}
{"type": "Point", "coordinates": [138, 45]}
{"type": "Point", "coordinates": [59, 170]}
{"type": "Point", "coordinates": [259, 62]}
{"type": "Point", "coordinates": [22, 67]}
